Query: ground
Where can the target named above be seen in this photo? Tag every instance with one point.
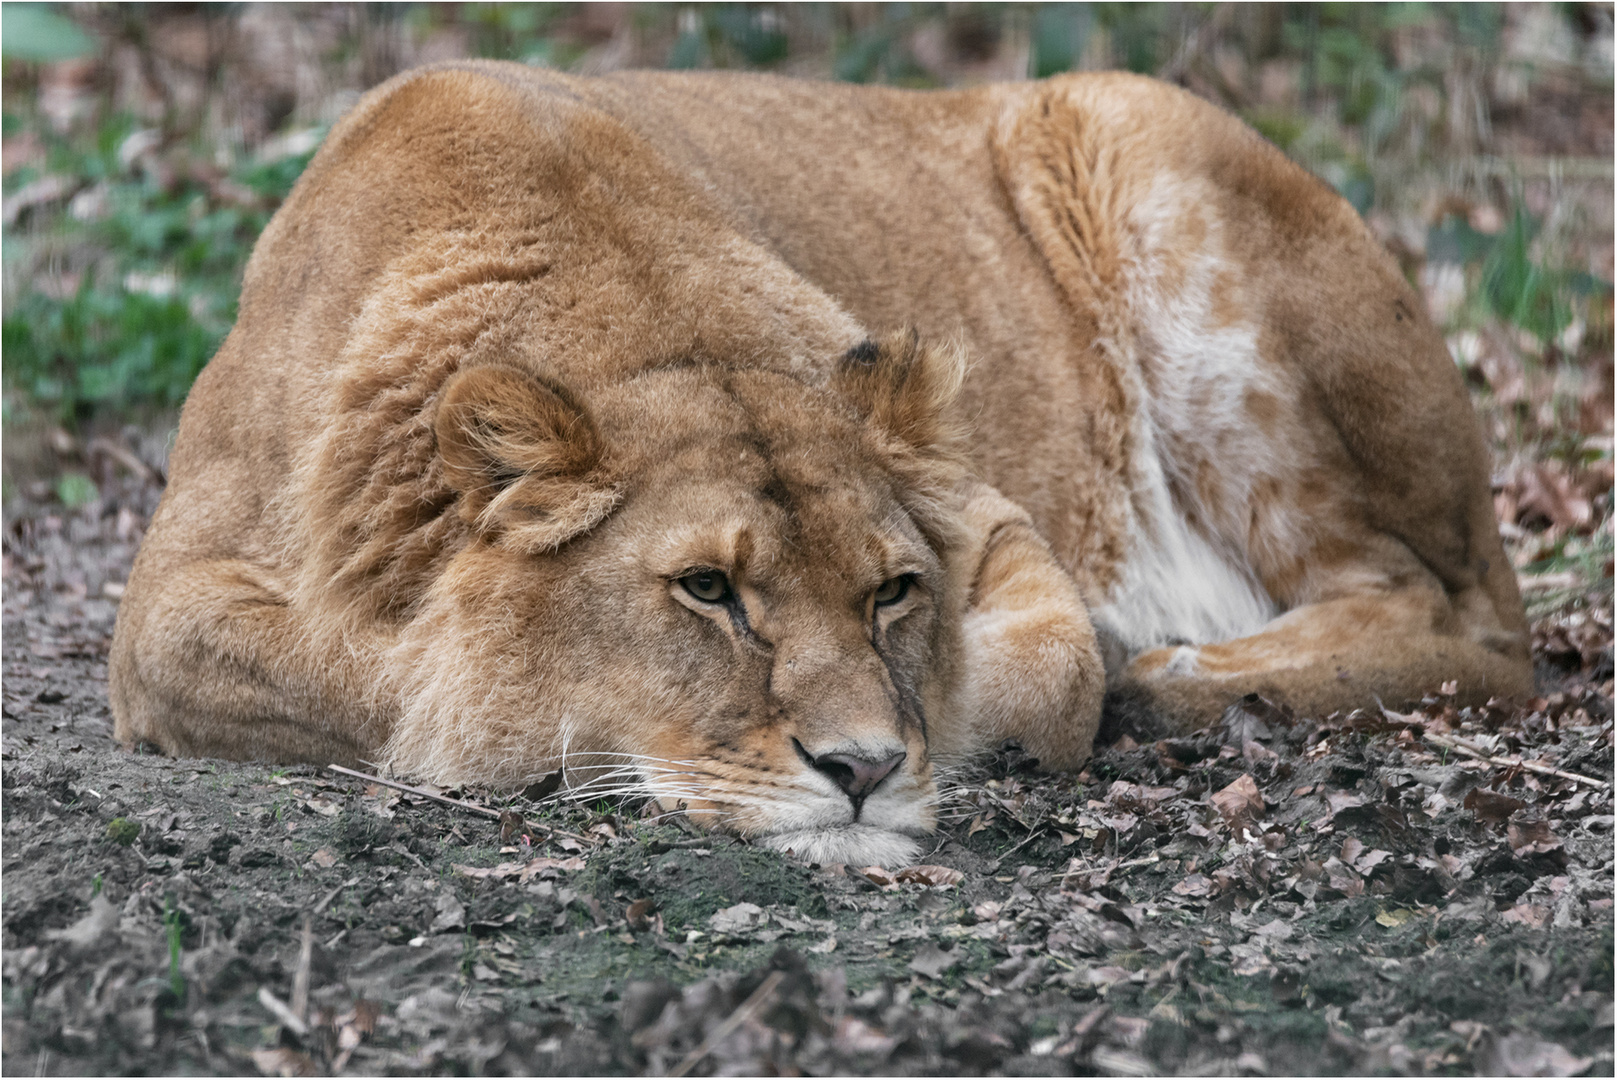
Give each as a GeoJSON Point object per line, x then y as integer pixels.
{"type": "Point", "coordinates": [1349, 894]}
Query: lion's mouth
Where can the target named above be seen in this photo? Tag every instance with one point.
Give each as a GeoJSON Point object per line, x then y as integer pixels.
{"type": "Point", "coordinates": [856, 844]}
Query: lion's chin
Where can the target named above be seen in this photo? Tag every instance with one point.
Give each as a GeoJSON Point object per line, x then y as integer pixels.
{"type": "Point", "coordinates": [855, 844]}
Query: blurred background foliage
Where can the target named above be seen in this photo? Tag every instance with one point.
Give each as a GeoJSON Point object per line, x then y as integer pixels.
{"type": "Point", "coordinates": [146, 145]}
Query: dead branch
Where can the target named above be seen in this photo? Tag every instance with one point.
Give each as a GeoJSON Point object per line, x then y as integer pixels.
{"type": "Point", "coordinates": [743, 1011]}
{"type": "Point", "coordinates": [282, 1012]}
{"type": "Point", "coordinates": [1466, 748]}
{"type": "Point", "coordinates": [459, 804]}
{"type": "Point", "coordinates": [300, 979]}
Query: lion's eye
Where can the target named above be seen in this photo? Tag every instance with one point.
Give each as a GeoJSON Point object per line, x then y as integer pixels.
{"type": "Point", "coordinates": [708, 586]}
{"type": "Point", "coordinates": [892, 590]}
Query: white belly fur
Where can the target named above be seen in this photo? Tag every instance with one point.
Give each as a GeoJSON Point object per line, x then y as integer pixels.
{"type": "Point", "coordinates": [1179, 583]}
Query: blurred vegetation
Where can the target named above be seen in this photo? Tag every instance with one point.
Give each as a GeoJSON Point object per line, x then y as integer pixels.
{"type": "Point", "coordinates": [137, 178]}
{"type": "Point", "coordinates": [146, 145]}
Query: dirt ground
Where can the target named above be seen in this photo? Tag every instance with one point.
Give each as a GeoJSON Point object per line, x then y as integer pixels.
{"type": "Point", "coordinates": [1278, 895]}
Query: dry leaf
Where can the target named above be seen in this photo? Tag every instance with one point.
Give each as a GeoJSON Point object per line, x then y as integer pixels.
{"type": "Point", "coordinates": [1343, 878]}
{"type": "Point", "coordinates": [1340, 801]}
{"type": "Point", "coordinates": [283, 1062]}
{"type": "Point", "coordinates": [854, 1037]}
{"type": "Point", "coordinates": [929, 875]}
{"type": "Point", "coordinates": [877, 875]}
{"type": "Point", "coordinates": [1546, 492]}
{"type": "Point", "coordinates": [1239, 803]}
{"type": "Point", "coordinates": [1531, 837]}
{"type": "Point", "coordinates": [932, 961]}
{"type": "Point", "coordinates": [1490, 806]}
{"type": "Point", "coordinates": [543, 789]}
{"type": "Point", "coordinates": [639, 914]}
{"type": "Point", "coordinates": [738, 919]}
{"type": "Point", "coordinates": [522, 871]}
{"type": "Point", "coordinates": [1524, 1055]}
{"type": "Point", "coordinates": [1194, 885]}
{"type": "Point", "coordinates": [1370, 860]}
{"type": "Point", "coordinates": [451, 913]}
{"type": "Point", "coordinates": [324, 858]}
{"type": "Point", "coordinates": [1532, 916]}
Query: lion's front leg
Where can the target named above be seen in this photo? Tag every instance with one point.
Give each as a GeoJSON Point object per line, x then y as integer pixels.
{"type": "Point", "coordinates": [1032, 669]}
{"type": "Point", "coordinates": [210, 659]}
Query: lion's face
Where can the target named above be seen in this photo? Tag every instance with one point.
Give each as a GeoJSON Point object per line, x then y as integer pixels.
{"type": "Point", "coordinates": [752, 621]}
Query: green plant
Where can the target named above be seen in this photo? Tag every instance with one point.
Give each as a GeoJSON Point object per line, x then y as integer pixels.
{"type": "Point", "coordinates": [38, 32]}
{"type": "Point", "coordinates": [1060, 32]}
{"type": "Point", "coordinates": [161, 269]}
{"type": "Point", "coordinates": [1515, 284]}
{"type": "Point", "coordinates": [173, 925]}
{"type": "Point", "coordinates": [123, 831]}
{"type": "Point", "coordinates": [74, 490]}
{"type": "Point", "coordinates": [1526, 293]}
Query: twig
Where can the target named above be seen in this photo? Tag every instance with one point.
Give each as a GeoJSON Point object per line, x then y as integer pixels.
{"type": "Point", "coordinates": [423, 792]}
{"type": "Point", "coordinates": [408, 854]}
{"type": "Point", "coordinates": [459, 804]}
{"type": "Point", "coordinates": [1034, 835]}
{"type": "Point", "coordinates": [332, 895]}
{"type": "Point", "coordinates": [743, 1012]}
{"type": "Point", "coordinates": [281, 1012]}
{"type": "Point", "coordinates": [1517, 763]}
{"type": "Point", "coordinates": [125, 457]}
{"type": "Point", "coordinates": [300, 979]}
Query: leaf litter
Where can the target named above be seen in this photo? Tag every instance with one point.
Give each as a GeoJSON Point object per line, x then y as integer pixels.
{"type": "Point", "coordinates": [1376, 891]}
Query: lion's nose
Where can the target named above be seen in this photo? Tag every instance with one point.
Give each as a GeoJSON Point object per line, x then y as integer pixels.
{"type": "Point", "coordinates": [856, 775]}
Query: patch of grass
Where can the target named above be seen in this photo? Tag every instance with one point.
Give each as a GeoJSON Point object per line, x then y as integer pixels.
{"type": "Point", "coordinates": [174, 926]}
{"type": "Point", "coordinates": [134, 282]}
{"type": "Point", "coordinates": [1587, 558]}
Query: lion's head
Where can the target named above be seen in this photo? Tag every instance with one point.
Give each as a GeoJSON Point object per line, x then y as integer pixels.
{"type": "Point", "coordinates": [727, 589]}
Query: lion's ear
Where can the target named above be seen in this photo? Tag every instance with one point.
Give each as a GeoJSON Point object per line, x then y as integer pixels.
{"type": "Point", "coordinates": [525, 457]}
{"type": "Point", "coordinates": [905, 388]}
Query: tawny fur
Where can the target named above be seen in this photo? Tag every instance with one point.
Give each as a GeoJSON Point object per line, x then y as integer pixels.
{"type": "Point", "coordinates": [523, 349]}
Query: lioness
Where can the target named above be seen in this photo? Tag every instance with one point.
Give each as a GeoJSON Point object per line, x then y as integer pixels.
{"type": "Point", "coordinates": [576, 422]}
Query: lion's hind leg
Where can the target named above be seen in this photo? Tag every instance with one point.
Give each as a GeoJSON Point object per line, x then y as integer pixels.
{"type": "Point", "coordinates": [1391, 646]}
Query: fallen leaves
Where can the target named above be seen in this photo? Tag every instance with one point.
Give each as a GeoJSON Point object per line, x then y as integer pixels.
{"type": "Point", "coordinates": [1528, 1055]}
{"type": "Point", "coordinates": [284, 1061]}
{"type": "Point", "coordinates": [1546, 494]}
{"type": "Point", "coordinates": [933, 876]}
{"type": "Point", "coordinates": [1531, 836]}
{"type": "Point", "coordinates": [738, 920]}
{"type": "Point", "coordinates": [1239, 803]}
{"type": "Point", "coordinates": [84, 934]}
{"type": "Point", "coordinates": [1194, 885]}
{"type": "Point", "coordinates": [523, 872]}
{"type": "Point", "coordinates": [1491, 807]}
{"type": "Point", "coordinates": [933, 962]}
{"type": "Point", "coordinates": [1394, 918]}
